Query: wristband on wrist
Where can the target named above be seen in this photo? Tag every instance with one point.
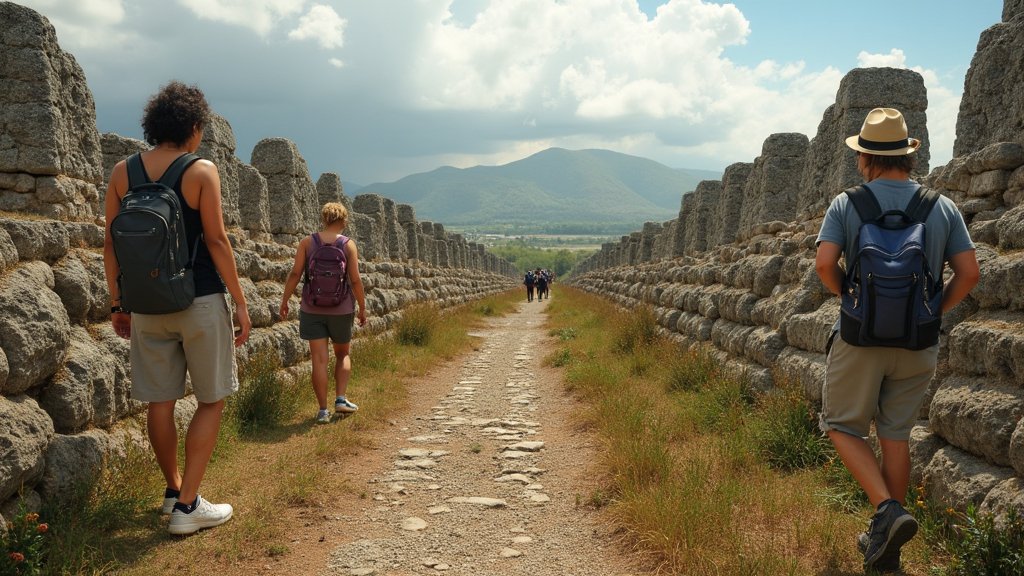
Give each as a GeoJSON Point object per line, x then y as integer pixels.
{"type": "Point", "coordinates": [116, 310]}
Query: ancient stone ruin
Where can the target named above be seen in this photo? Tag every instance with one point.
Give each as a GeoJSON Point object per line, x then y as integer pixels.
{"type": "Point", "coordinates": [734, 273]}
{"type": "Point", "coordinates": [64, 383]}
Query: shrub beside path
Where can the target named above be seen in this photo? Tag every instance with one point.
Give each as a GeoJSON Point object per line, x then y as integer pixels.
{"type": "Point", "coordinates": [487, 473]}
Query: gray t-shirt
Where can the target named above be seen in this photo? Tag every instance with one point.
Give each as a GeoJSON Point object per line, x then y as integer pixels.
{"type": "Point", "coordinates": [945, 231]}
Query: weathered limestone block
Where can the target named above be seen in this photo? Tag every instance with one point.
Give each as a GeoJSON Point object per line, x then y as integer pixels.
{"type": "Point", "coordinates": [365, 230]}
{"type": "Point", "coordinates": [47, 115]}
{"type": "Point", "coordinates": [782, 305]}
{"type": "Point", "coordinates": [218, 146]}
{"type": "Point", "coordinates": [83, 391]}
{"type": "Point", "coordinates": [290, 189]}
{"type": "Point", "coordinates": [990, 344]}
{"type": "Point", "coordinates": [923, 445]}
{"type": "Point", "coordinates": [1011, 229]}
{"type": "Point", "coordinates": [730, 336]}
{"type": "Point", "coordinates": [978, 415]}
{"type": "Point", "coordinates": [830, 166]}
{"type": "Point", "coordinates": [810, 331]}
{"type": "Point", "coordinates": [1006, 496]}
{"type": "Point", "coordinates": [989, 184]}
{"type": "Point", "coordinates": [998, 272]}
{"type": "Point", "coordinates": [695, 327]}
{"type": "Point", "coordinates": [45, 240]}
{"type": "Point", "coordinates": [1017, 448]}
{"type": "Point", "coordinates": [764, 346]}
{"type": "Point", "coordinates": [999, 156]}
{"type": "Point", "coordinates": [8, 250]}
{"type": "Point", "coordinates": [253, 200]}
{"type": "Point", "coordinates": [731, 204]}
{"type": "Point", "coordinates": [25, 434]}
{"type": "Point", "coordinates": [80, 283]}
{"type": "Point", "coordinates": [34, 326]}
{"type": "Point", "coordinates": [805, 369]}
{"type": "Point", "coordinates": [72, 460]}
{"type": "Point", "coordinates": [771, 189]}
{"type": "Point", "coordinates": [329, 188]}
{"type": "Point", "coordinates": [701, 222]}
{"type": "Point", "coordinates": [736, 304]}
{"type": "Point", "coordinates": [991, 107]}
{"type": "Point", "coordinates": [957, 478]}
{"type": "Point", "coordinates": [115, 148]}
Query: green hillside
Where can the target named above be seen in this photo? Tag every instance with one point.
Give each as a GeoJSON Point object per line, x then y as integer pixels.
{"type": "Point", "coordinates": [555, 185]}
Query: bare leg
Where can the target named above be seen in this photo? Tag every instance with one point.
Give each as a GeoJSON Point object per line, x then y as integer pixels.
{"type": "Point", "coordinates": [163, 436]}
{"type": "Point", "coordinates": [861, 462]}
{"type": "Point", "coordinates": [318, 354]}
{"type": "Point", "coordinates": [896, 467]}
{"type": "Point", "coordinates": [199, 444]}
{"type": "Point", "coordinates": [342, 368]}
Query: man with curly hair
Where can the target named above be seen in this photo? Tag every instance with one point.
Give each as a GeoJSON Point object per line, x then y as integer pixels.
{"type": "Point", "coordinates": [198, 340]}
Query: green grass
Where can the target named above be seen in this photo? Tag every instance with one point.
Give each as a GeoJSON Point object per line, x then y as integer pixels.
{"type": "Point", "coordinates": [418, 324]}
{"type": "Point", "coordinates": [704, 474]}
{"type": "Point", "coordinates": [265, 399]}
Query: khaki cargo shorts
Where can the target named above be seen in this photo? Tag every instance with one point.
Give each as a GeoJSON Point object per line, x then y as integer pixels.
{"type": "Point", "coordinates": [887, 385]}
{"type": "Point", "coordinates": [199, 340]}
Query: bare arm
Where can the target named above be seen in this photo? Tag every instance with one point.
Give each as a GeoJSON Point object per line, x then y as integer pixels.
{"type": "Point", "coordinates": [352, 257]}
{"type": "Point", "coordinates": [294, 276]}
{"type": "Point", "coordinates": [966, 274]}
{"type": "Point", "coordinates": [826, 262]}
{"type": "Point", "coordinates": [121, 322]}
{"type": "Point", "coordinates": [204, 174]}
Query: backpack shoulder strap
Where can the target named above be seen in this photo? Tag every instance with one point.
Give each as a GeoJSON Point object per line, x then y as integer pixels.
{"type": "Point", "coordinates": [921, 204]}
{"type": "Point", "coordinates": [864, 201]}
{"type": "Point", "coordinates": [136, 171]}
{"type": "Point", "coordinates": [177, 168]}
{"type": "Point", "coordinates": [316, 241]}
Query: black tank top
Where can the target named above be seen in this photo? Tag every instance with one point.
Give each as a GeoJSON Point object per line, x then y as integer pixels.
{"type": "Point", "coordinates": [204, 272]}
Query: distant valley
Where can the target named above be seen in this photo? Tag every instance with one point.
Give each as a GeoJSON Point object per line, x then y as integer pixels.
{"type": "Point", "coordinates": [592, 190]}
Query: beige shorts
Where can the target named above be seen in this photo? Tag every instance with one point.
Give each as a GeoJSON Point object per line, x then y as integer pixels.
{"type": "Point", "coordinates": [887, 385]}
{"type": "Point", "coordinates": [199, 339]}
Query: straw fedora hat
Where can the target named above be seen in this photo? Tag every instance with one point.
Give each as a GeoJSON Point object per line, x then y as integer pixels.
{"type": "Point", "coordinates": [884, 133]}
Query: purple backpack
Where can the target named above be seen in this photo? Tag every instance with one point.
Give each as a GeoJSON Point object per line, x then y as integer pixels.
{"type": "Point", "coordinates": [326, 281]}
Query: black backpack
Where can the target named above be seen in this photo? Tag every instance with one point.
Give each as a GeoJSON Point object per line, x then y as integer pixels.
{"type": "Point", "coordinates": [150, 245]}
{"type": "Point", "coordinates": [889, 295]}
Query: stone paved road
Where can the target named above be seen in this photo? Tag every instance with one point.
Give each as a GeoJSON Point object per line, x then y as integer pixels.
{"type": "Point", "coordinates": [488, 479]}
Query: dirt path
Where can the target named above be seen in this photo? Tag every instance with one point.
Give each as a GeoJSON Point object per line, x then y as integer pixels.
{"type": "Point", "coordinates": [487, 473]}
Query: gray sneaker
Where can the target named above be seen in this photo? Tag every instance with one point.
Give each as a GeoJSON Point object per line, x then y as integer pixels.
{"type": "Point", "coordinates": [891, 528]}
{"type": "Point", "coordinates": [888, 562]}
{"type": "Point", "coordinates": [203, 515]}
{"type": "Point", "coordinates": [323, 417]}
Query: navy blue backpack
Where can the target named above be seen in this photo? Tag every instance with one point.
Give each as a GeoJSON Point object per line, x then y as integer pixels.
{"type": "Point", "coordinates": [889, 295]}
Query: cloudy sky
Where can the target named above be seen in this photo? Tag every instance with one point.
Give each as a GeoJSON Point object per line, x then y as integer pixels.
{"type": "Point", "coordinates": [378, 89]}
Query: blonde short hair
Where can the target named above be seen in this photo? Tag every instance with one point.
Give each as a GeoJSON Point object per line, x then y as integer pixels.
{"type": "Point", "coordinates": [332, 212]}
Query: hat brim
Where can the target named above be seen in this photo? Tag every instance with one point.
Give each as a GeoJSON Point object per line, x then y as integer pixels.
{"type": "Point", "coordinates": [854, 143]}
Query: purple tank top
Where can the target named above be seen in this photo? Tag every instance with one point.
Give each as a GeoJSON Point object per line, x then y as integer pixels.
{"type": "Point", "coordinates": [347, 305]}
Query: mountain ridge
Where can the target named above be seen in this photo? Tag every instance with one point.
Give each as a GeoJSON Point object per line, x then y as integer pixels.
{"type": "Point", "coordinates": [553, 185]}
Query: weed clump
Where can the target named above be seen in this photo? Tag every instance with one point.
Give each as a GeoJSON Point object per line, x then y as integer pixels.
{"type": "Point", "coordinates": [418, 324]}
{"type": "Point", "coordinates": [264, 399]}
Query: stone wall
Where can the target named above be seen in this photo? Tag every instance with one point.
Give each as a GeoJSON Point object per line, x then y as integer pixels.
{"type": "Point", "coordinates": [64, 378]}
{"type": "Point", "coordinates": [755, 301]}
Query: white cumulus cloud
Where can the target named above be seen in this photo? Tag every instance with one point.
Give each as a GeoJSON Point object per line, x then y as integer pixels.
{"type": "Point", "coordinates": [260, 16]}
{"type": "Point", "coordinates": [322, 25]}
{"type": "Point", "coordinates": [85, 23]}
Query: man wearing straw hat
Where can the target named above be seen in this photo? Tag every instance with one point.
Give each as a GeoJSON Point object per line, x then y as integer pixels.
{"type": "Point", "coordinates": [885, 385]}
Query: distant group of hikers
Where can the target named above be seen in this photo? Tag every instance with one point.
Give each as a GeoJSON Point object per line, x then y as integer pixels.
{"type": "Point", "coordinates": [538, 281]}
{"type": "Point", "coordinates": [880, 358]}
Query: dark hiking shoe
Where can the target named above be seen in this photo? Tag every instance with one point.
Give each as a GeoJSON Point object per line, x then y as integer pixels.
{"type": "Point", "coordinates": [891, 528]}
{"type": "Point", "coordinates": [888, 562]}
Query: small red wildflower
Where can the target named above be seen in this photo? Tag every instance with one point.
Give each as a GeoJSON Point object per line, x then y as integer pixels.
{"type": "Point", "coordinates": [17, 557]}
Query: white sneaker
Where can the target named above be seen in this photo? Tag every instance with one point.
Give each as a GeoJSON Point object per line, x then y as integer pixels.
{"type": "Point", "coordinates": [343, 406]}
{"type": "Point", "coordinates": [204, 515]}
{"type": "Point", "coordinates": [168, 506]}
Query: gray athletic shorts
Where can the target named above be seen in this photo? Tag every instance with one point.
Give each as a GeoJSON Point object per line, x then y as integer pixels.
{"type": "Point", "coordinates": [199, 339]}
{"type": "Point", "coordinates": [866, 382]}
{"type": "Point", "coordinates": [319, 326]}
